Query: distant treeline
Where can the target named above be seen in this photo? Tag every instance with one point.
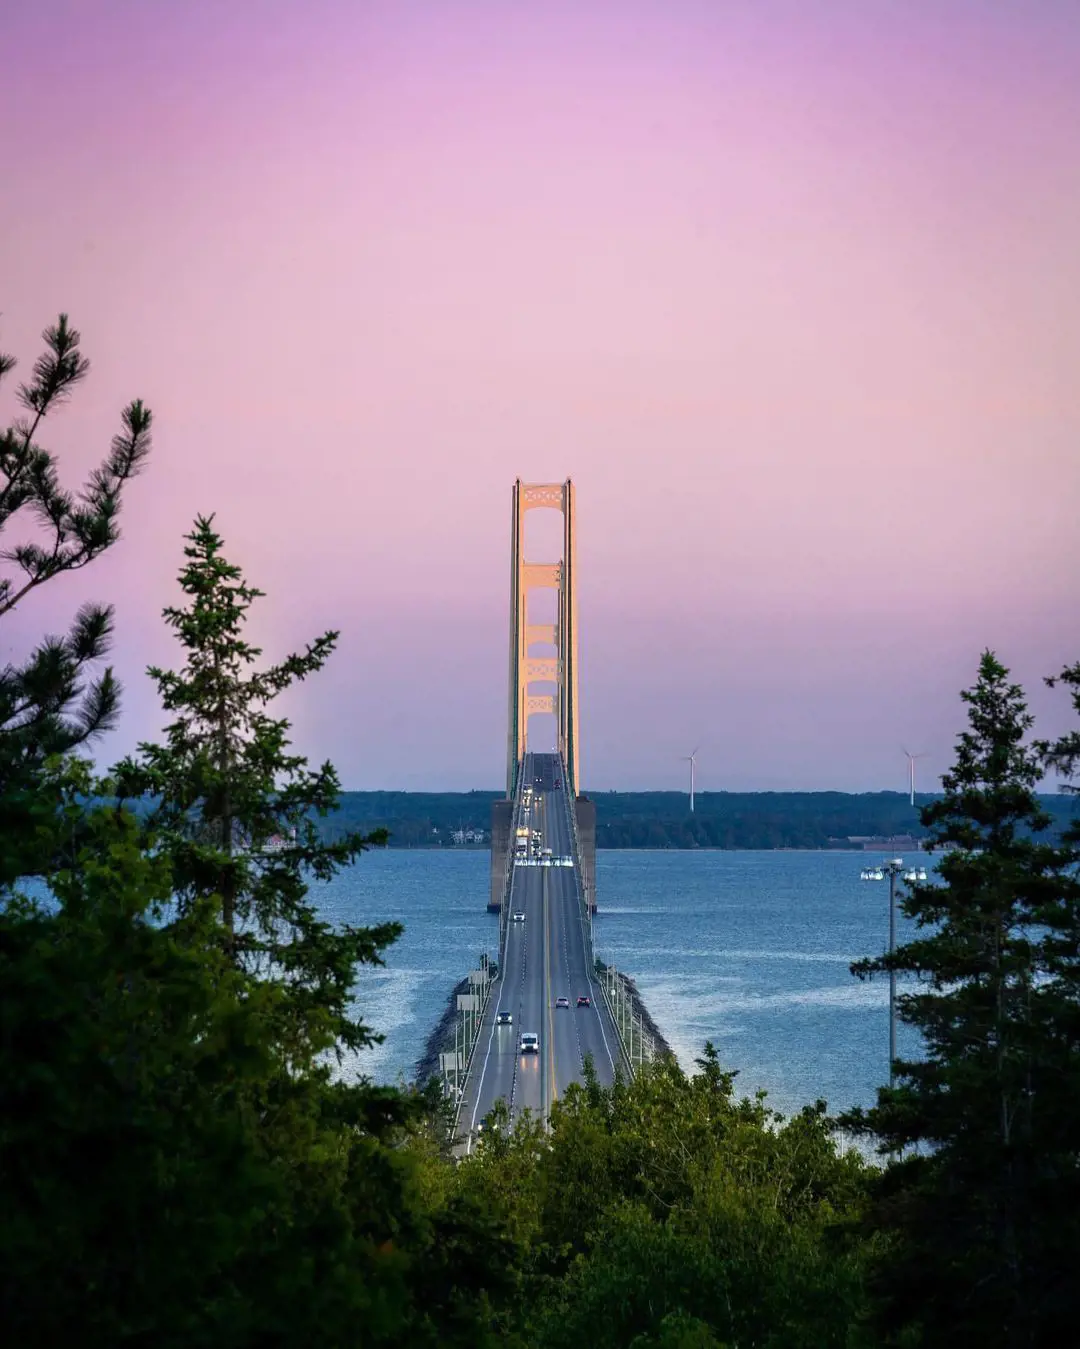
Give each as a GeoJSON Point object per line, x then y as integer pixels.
{"type": "Point", "coordinates": [663, 819]}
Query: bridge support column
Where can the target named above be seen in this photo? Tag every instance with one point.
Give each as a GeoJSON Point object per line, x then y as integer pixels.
{"type": "Point", "coordinates": [585, 816]}
{"type": "Point", "coordinates": [502, 820]}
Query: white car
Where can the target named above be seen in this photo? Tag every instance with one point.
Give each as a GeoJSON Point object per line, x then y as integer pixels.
{"type": "Point", "coordinates": [519, 917]}
{"type": "Point", "coordinates": [504, 1019]}
{"type": "Point", "coordinates": [529, 1043]}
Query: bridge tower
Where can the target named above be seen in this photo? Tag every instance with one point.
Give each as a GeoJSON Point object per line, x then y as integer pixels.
{"type": "Point", "coordinates": [527, 668]}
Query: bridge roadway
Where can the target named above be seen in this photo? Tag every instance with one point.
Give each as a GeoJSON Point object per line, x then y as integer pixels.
{"type": "Point", "coordinates": [547, 956]}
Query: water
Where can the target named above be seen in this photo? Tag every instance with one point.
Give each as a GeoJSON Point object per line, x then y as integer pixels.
{"type": "Point", "coordinates": [752, 951]}
{"type": "Point", "coordinates": [440, 896]}
{"type": "Point", "coordinates": [749, 950]}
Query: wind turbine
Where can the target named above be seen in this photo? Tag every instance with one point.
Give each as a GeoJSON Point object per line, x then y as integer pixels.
{"type": "Point", "coordinates": [691, 759]}
{"type": "Point", "coordinates": [911, 771]}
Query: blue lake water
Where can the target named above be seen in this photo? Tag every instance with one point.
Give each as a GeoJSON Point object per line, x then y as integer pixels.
{"type": "Point", "coordinates": [749, 950]}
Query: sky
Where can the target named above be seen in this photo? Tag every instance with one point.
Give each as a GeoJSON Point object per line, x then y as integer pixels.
{"type": "Point", "coordinates": [791, 290]}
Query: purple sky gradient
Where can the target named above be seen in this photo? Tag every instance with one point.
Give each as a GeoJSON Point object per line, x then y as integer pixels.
{"type": "Point", "coordinates": [791, 290]}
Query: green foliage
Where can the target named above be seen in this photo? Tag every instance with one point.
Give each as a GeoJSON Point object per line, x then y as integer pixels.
{"type": "Point", "coordinates": [178, 1164]}
{"type": "Point", "coordinates": [224, 783]}
{"type": "Point", "coordinates": [984, 1210]}
{"type": "Point", "coordinates": [51, 704]}
{"type": "Point", "coordinates": [169, 1174]}
{"type": "Point", "coordinates": [1063, 754]}
{"type": "Point", "coordinates": [666, 1212]}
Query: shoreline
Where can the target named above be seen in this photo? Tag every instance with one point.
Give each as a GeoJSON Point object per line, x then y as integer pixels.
{"type": "Point", "coordinates": [441, 1035]}
{"type": "Point", "coordinates": [642, 1012]}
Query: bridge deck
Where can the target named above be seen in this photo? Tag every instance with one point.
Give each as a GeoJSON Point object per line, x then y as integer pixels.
{"type": "Point", "coordinates": [546, 956]}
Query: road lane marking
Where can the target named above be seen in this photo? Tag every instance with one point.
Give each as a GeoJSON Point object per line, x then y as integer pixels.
{"type": "Point", "coordinates": [483, 1074]}
{"type": "Point", "coordinates": [547, 990]}
{"type": "Point", "coordinates": [495, 1001]}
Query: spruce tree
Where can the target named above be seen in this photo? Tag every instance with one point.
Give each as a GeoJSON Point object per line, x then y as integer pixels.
{"type": "Point", "coordinates": [985, 1209]}
{"type": "Point", "coordinates": [1063, 754]}
{"type": "Point", "coordinates": [225, 784]}
{"type": "Point", "coordinates": [51, 703]}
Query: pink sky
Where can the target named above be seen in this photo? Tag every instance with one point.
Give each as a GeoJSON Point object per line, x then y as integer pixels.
{"type": "Point", "coordinates": [791, 290]}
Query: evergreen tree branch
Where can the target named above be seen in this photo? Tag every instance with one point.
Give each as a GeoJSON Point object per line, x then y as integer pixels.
{"type": "Point", "coordinates": [52, 702]}
{"type": "Point", "coordinates": [1063, 754]}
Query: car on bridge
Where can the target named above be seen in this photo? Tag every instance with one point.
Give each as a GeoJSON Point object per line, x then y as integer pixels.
{"type": "Point", "coordinates": [504, 1019]}
{"type": "Point", "coordinates": [519, 917]}
{"type": "Point", "coordinates": [562, 1002]}
{"type": "Point", "coordinates": [584, 1000]}
{"type": "Point", "coordinates": [529, 1043]}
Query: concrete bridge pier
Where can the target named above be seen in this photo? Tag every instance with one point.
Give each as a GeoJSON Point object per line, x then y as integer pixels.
{"type": "Point", "coordinates": [585, 818]}
{"type": "Point", "coordinates": [502, 823]}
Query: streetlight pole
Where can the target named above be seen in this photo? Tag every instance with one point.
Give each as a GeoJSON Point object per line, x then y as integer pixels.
{"type": "Point", "coordinates": [893, 868]}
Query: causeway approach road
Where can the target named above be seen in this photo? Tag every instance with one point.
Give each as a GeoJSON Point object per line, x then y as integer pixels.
{"type": "Point", "coordinates": [548, 956]}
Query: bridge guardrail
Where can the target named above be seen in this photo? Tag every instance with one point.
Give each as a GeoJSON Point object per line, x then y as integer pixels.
{"type": "Point", "coordinates": [583, 886]}
{"type": "Point", "coordinates": [614, 1021]}
{"type": "Point", "coordinates": [636, 1048]}
{"type": "Point", "coordinates": [579, 870]}
{"type": "Point", "coordinates": [504, 924]}
{"type": "Point", "coordinates": [478, 1021]}
{"type": "Point", "coordinates": [508, 876]}
{"type": "Point", "coordinates": [614, 1005]}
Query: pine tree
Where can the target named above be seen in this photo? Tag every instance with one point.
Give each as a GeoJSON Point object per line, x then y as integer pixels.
{"type": "Point", "coordinates": [224, 784]}
{"type": "Point", "coordinates": [49, 706]}
{"type": "Point", "coordinates": [986, 1211]}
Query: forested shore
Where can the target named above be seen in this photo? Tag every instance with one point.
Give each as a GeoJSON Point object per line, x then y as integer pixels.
{"type": "Point", "coordinates": [748, 820]}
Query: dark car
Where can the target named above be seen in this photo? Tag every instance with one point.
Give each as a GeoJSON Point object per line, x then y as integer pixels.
{"type": "Point", "coordinates": [584, 1001]}
{"type": "Point", "coordinates": [562, 1002]}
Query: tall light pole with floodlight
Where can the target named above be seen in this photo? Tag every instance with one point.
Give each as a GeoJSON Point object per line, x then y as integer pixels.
{"type": "Point", "coordinates": [892, 869]}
